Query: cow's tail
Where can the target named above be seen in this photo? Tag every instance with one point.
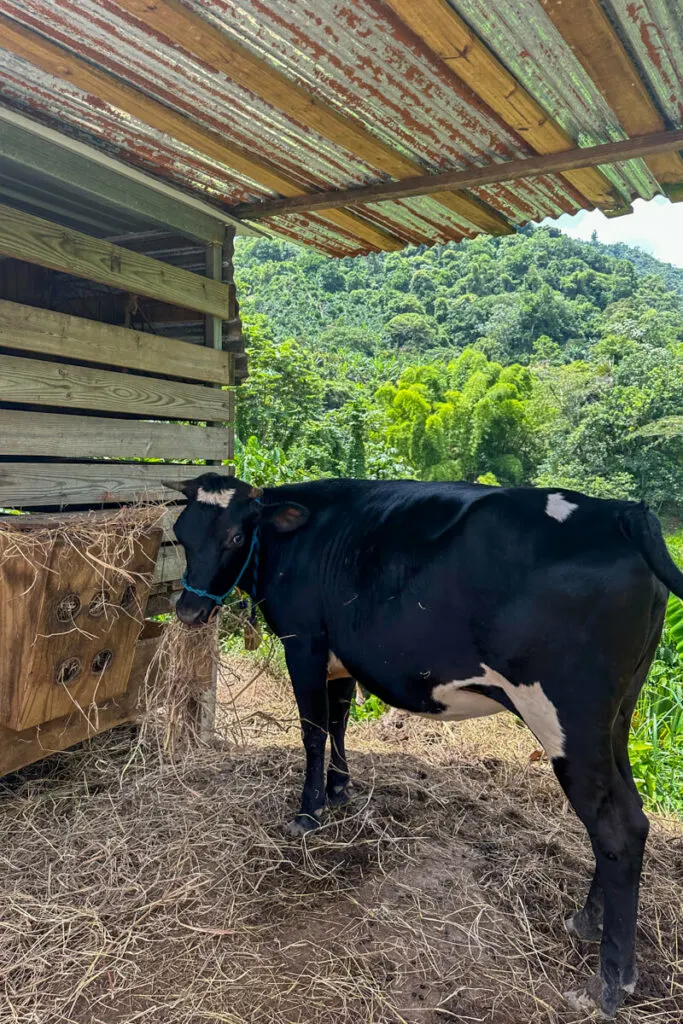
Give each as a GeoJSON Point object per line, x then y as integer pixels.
{"type": "Point", "coordinates": [642, 527]}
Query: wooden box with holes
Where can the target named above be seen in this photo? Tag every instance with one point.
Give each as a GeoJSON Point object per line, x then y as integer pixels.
{"type": "Point", "coordinates": [68, 625]}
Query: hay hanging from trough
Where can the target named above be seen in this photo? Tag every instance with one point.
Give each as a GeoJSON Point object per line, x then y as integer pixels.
{"type": "Point", "coordinates": [185, 664]}
{"type": "Point", "coordinates": [106, 541]}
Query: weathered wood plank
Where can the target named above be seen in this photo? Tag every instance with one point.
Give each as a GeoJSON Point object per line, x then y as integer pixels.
{"type": "Point", "coordinates": [72, 337]}
{"type": "Point", "coordinates": [492, 174]}
{"type": "Point", "coordinates": [94, 437]}
{"type": "Point", "coordinates": [21, 748]}
{"type": "Point", "coordinates": [26, 484]}
{"type": "Point", "coordinates": [34, 382]}
{"type": "Point", "coordinates": [36, 642]}
{"type": "Point", "coordinates": [40, 241]}
{"type": "Point", "coordinates": [170, 564]}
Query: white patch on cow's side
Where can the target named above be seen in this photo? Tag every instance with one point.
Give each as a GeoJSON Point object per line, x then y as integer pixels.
{"type": "Point", "coordinates": [557, 507]}
{"type": "Point", "coordinates": [220, 498]}
{"type": "Point", "coordinates": [462, 704]}
{"type": "Point", "coordinates": [533, 705]}
{"type": "Point", "coordinates": [540, 714]}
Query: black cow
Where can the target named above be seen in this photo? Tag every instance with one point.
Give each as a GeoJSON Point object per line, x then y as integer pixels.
{"type": "Point", "coordinates": [453, 601]}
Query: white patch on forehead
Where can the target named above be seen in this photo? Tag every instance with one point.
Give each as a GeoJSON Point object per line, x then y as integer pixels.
{"type": "Point", "coordinates": [557, 507]}
{"type": "Point", "coordinates": [539, 713]}
{"type": "Point", "coordinates": [220, 498]}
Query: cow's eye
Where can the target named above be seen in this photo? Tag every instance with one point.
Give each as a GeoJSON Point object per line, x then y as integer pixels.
{"type": "Point", "coordinates": [238, 539]}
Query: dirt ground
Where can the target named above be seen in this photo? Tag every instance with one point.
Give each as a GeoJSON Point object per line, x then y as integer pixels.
{"type": "Point", "coordinates": [134, 890]}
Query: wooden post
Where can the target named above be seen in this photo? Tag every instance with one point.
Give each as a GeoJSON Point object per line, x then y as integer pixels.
{"type": "Point", "coordinates": [213, 338]}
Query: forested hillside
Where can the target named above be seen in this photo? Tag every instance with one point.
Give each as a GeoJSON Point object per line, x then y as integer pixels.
{"type": "Point", "coordinates": [532, 358]}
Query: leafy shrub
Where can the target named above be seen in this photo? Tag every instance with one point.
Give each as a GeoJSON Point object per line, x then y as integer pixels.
{"type": "Point", "coordinates": [371, 708]}
{"type": "Point", "coordinates": [656, 744]}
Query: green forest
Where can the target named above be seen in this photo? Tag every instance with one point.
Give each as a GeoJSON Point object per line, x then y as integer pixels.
{"type": "Point", "coordinates": [531, 358]}
{"type": "Point", "coordinates": [528, 359]}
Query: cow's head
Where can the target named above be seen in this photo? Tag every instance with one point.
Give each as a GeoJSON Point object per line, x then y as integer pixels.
{"type": "Point", "coordinates": [216, 530]}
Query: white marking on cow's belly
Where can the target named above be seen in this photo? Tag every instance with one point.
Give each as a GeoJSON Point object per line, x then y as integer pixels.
{"type": "Point", "coordinates": [539, 713]}
{"type": "Point", "coordinates": [220, 498]}
{"type": "Point", "coordinates": [557, 507]}
{"type": "Point", "coordinates": [462, 704]}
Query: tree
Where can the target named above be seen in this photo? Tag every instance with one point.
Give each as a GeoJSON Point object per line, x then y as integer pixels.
{"type": "Point", "coordinates": [412, 330]}
{"type": "Point", "coordinates": [462, 420]}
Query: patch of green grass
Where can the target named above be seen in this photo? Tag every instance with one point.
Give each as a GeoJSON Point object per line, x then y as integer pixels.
{"type": "Point", "coordinates": [656, 743]}
{"type": "Point", "coordinates": [372, 707]}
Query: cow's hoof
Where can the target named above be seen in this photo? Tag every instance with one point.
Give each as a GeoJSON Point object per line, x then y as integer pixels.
{"type": "Point", "coordinates": [339, 796]}
{"type": "Point", "coordinates": [597, 998]}
{"type": "Point", "coordinates": [302, 824]}
{"type": "Point", "coordinates": [577, 925]}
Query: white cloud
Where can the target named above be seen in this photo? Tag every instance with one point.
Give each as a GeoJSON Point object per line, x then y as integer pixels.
{"type": "Point", "coordinates": [655, 226]}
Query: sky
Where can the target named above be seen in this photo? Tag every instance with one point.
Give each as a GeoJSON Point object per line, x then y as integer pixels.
{"type": "Point", "coordinates": [655, 226]}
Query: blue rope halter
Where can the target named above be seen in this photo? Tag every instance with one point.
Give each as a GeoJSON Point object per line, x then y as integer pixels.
{"type": "Point", "coordinates": [220, 598]}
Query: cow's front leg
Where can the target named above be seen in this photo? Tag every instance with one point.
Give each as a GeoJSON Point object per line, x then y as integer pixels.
{"type": "Point", "coordinates": [340, 694]}
{"type": "Point", "coordinates": [307, 664]}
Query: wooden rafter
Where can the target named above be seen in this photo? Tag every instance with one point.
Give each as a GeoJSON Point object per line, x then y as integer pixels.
{"type": "Point", "coordinates": [599, 49]}
{"type": "Point", "coordinates": [106, 87]}
{"type": "Point", "coordinates": [447, 35]}
{"type": "Point", "coordinates": [509, 170]}
{"type": "Point", "coordinates": [188, 30]}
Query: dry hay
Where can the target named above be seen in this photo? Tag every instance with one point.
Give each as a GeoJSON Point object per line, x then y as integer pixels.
{"type": "Point", "coordinates": [185, 663]}
{"type": "Point", "coordinates": [139, 890]}
{"type": "Point", "coordinates": [105, 541]}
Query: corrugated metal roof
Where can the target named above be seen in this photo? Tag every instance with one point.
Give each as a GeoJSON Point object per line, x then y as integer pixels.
{"type": "Point", "coordinates": [653, 30]}
{"type": "Point", "coordinates": [360, 60]}
{"type": "Point", "coordinates": [524, 38]}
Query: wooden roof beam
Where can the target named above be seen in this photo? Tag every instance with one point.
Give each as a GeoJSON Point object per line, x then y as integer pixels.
{"type": "Point", "coordinates": [63, 64]}
{"type": "Point", "coordinates": [492, 174]}
{"type": "Point", "coordinates": [597, 46]}
{"type": "Point", "coordinates": [447, 35]}
{"type": "Point", "coordinates": [193, 34]}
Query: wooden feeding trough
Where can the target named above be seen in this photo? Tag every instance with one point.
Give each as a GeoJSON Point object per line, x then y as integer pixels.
{"type": "Point", "coordinates": [68, 621]}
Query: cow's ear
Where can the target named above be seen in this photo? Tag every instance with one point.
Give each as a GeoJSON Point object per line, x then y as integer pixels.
{"type": "Point", "coordinates": [187, 487]}
{"type": "Point", "coordinates": [286, 516]}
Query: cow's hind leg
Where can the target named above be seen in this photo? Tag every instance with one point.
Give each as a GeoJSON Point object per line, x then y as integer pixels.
{"type": "Point", "coordinates": [339, 694]}
{"type": "Point", "coordinates": [586, 923]}
{"type": "Point", "coordinates": [611, 811]}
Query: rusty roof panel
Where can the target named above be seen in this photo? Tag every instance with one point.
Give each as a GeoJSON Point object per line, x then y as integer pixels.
{"type": "Point", "coordinates": [358, 58]}
{"type": "Point", "coordinates": [65, 107]}
{"type": "Point", "coordinates": [653, 32]}
{"type": "Point", "coordinates": [525, 40]}
{"type": "Point", "coordinates": [119, 44]}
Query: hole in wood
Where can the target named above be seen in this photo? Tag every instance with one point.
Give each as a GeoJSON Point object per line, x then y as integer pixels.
{"type": "Point", "coordinates": [101, 662]}
{"type": "Point", "coordinates": [129, 596]}
{"type": "Point", "coordinates": [98, 605]}
{"type": "Point", "coordinates": [68, 608]}
{"type": "Point", "coordinates": [67, 671]}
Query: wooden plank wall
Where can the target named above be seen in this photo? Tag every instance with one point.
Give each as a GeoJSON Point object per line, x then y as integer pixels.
{"type": "Point", "coordinates": [82, 401]}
